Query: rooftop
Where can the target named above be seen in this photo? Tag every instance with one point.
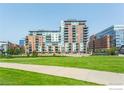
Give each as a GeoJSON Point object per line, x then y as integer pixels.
{"type": "Point", "coordinates": [45, 31]}
{"type": "Point", "coordinates": [111, 27]}
{"type": "Point", "coordinates": [74, 20]}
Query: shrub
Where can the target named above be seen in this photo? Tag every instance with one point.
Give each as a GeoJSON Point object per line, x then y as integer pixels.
{"type": "Point", "coordinates": [54, 54]}
{"type": "Point", "coordinates": [111, 51]}
{"type": "Point", "coordinates": [34, 54]}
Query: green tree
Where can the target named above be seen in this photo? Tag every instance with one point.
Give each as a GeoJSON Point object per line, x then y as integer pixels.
{"type": "Point", "coordinates": [10, 51]}
{"type": "Point", "coordinates": [22, 50]}
{"type": "Point", "coordinates": [17, 51]}
{"type": "Point", "coordinates": [14, 51]}
{"type": "Point", "coordinates": [34, 54]}
{"type": "Point", "coordinates": [112, 51]}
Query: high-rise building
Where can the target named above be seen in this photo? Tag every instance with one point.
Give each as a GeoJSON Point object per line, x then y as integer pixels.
{"type": "Point", "coordinates": [21, 42]}
{"type": "Point", "coordinates": [71, 38]}
{"type": "Point", "coordinates": [108, 38]}
{"type": "Point", "coordinates": [74, 35]}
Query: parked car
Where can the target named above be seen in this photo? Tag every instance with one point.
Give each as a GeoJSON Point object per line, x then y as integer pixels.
{"type": "Point", "coordinates": [121, 50]}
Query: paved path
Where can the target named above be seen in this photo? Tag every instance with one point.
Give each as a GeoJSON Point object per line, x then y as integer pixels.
{"type": "Point", "coordinates": [99, 77]}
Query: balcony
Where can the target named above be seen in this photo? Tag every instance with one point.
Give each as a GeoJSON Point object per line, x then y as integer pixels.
{"type": "Point", "coordinates": [85, 32]}
{"type": "Point", "coordinates": [73, 28]}
{"type": "Point", "coordinates": [65, 28]}
{"type": "Point", "coordinates": [65, 41]}
{"type": "Point", "coordinates": [65, 38]}
{"type": "Point", "coordinates": [81, 23]}
{"type": "Point", "coordinates": [85, 36]}
{"type": "Point", "coordinates": [74, 32]}
{"type": "Point", "coordinates": [85, 27]}
{"type": "Point", "coordinates": [26, 42]}
{"type": "Point", "coordinates": [65, 33]}
{"type": "Point", "coordinates": [85, 41]}
{"type": "Point", "coordinates": [74, 41]}
{"type": "Point", "coordinates": [37, 39]}
{"type": "Point", "coordinates": [67, 23]}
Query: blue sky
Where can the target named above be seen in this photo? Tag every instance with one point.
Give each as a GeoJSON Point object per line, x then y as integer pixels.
{"type": "Point", "coordinates": [17, 19]}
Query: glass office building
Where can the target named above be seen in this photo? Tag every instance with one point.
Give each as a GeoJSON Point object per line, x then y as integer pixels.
{"type": "Point", "coordinates": [110, 37]}
{"type": "Point", "coordinates": [21, 42]}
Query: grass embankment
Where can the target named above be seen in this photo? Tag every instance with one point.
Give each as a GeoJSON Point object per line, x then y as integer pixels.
{"type": "Point", "coordinates": [104, 63]}
{"type": "Point", "coordinates": [20, 77]}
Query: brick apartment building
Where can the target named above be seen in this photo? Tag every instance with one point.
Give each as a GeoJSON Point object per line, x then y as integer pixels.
{"type": "Point", "coordinates": [43, 41]}
{"type": "Point", "coordinates": [71, 38]}
{"type": "Point", "coordinates": [74, 35]}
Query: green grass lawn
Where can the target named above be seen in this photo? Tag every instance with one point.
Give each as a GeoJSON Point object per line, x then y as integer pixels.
{"type": "Point", "coordinates": [105, 63]}
{"type": "Point", "coordinates": [20, 77]}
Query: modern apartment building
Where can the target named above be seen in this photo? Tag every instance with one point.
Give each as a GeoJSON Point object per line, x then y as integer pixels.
{"type": "Point", "coordinates": [108, 38]}
{"type": "Point", "coordinates": [74, 35]}
{"type": "Point", "coordinates": [43, 41]}
{"type": "Point", "coordinates": [71, 38]}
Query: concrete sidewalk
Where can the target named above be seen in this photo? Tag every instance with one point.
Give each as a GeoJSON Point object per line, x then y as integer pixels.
{"type": "Point", "coordinates": [99, 77]}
